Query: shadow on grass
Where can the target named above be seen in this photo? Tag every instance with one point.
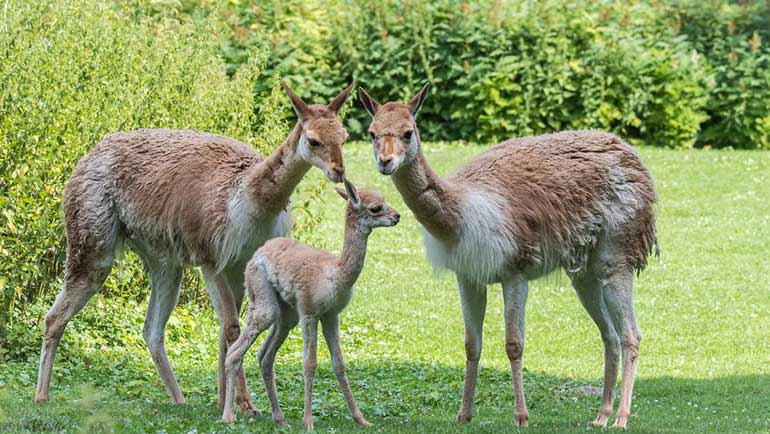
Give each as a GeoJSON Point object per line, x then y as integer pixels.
{"type": "Point", "coordinates": [395, 397]}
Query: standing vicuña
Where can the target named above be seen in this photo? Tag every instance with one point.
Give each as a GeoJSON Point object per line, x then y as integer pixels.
{"type": "Point", "coordinates": [579, 200]}
{"type": "Point", "coordinates": [288, 282]}
{"type": "Point", "coordinates": [180, 198]}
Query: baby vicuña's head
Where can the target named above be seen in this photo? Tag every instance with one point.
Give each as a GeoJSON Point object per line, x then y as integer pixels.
{"type": "Point", "coordinates": [367, 208]}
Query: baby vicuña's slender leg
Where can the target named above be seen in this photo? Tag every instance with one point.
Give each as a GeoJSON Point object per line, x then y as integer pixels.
{"type": "Point", "coordinates": [309, 361]}
{"type": "Point", "coordinates": [262, 313]}
{"type": "Point", "coordinates": [331, 329]}
{"type": "Point", "coordinates": [288, 320]}
{"type": "Point", "coordinates": [515, 291]}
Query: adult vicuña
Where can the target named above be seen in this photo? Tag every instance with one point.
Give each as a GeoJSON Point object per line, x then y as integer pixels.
{"type": "Point", "coordinates": [183, 198]}
{"type": "Point", "coordinates": [288, 281]}
{"type": "Point", "coordinates": [579, 200]}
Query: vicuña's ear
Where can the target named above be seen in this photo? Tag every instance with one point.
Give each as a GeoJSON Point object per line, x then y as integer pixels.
{"type": "Point", "coordinates": [352, 193]}
{"type": "Point", "coordinates": [300, 108]}
{"type": "Point", "coordinates": [416, 102]}
{"type": "Point", "coordinates": [341, 192]}
{"type": "Point", "coordinates": [340, 99]}
{"type": "Point", "coordinates": [369, 103]}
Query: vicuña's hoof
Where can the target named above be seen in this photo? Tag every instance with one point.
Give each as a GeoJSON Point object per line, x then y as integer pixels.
{"type": "Point", "coordinates": [464, 418]}
{"type": "Point", "coordinates": [621, 422]}
{"type": "Point", "coordinates": [228, 418]}
{"type": "Point", "coordinates": [309, 424]}
{"type": "Point", "coordinates": [601, 421]}
{"type": "Point", "coordinates": [361, 421]}
{"type": "Point", "coordinates": [521, 420]}
{"type": "Point", "coordinates": [247, 407]}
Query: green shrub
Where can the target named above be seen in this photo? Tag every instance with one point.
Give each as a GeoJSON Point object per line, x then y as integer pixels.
{"type": "Point", "coordinates": [72, 72]}
{"type": "Point", "coordinates": [735, 39]}
{"type": "Point", "coordinates": [670, 73]}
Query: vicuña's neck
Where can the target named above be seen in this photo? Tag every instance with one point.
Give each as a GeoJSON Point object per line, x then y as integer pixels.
{"type": "Point", "coordinates": [433, 201]}
{"type": "Point", "coordinates": [272, 181]}
{"type": "Point", "coordinates": [353, 252]}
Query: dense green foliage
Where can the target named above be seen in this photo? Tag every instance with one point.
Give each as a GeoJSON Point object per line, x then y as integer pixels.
{"type": "Point", "coordinates": [702, 308]}
{"type": "Point", "coordinates": [75, 71]}
{"type": "Point", "coordinates": [664, 73]}
{"type": "Point", "coordinates": [675, 74]}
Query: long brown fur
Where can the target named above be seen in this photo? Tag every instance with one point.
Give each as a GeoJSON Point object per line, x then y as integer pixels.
{"type": "Point", "coordinates": [184, 198]}
{"type": "Point", "coordinates": [577, 200]}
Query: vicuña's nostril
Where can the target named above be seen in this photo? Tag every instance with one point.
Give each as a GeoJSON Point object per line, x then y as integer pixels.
{"type": "Point", "coordinates": [339, 171]}
{"type": "Point", "coordinates": [386, 160]}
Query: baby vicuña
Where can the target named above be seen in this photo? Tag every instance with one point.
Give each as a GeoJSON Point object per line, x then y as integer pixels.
{"type": "Point", "coordinates": [290, 282]}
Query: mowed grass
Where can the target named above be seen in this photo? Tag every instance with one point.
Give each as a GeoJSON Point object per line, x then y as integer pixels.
{"type": "Point", "coordinates": [703, 308]}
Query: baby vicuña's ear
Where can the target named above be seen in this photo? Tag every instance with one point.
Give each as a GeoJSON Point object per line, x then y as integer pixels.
{"type": "Point", "coordinates": [341, 192]}
{"type": "Point", "coordinates": [352, 193]}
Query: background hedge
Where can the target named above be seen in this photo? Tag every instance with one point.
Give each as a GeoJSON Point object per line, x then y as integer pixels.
{"type": "Point", "coordinates": [668, 73]}
{"type": "Point", "coordinates": [664, 73]}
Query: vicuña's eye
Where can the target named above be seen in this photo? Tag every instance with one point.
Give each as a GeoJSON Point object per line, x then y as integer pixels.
{"type": "Point", "coordinates": [314, 143]}
{"type": "Point", "coordinates": [408, 135]}
{"type": "Point", "coordinates": [372, 136]}
{"type": "Point", "coordinates": [375, 209]}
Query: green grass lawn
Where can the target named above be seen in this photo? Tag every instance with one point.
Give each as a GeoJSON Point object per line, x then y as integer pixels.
{"type": "Point", "coordinates": [703, 308]}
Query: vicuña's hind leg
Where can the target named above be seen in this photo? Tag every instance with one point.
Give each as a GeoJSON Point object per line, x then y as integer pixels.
{"type": "Point", "coordinates": [84, 276]}
{"type": "Point", "coordinates": [262, 313]}
{"type": "Point", "coordinates": [165, 280]}
{"type": "Point", "coordinates": [288, 320]}
{"type": "Point", "coordinates": [618, 296]}
{"type": "Point", "coordinates": [590, 292]}
{"type": "Point", "coordinates": [515, 292]}
{"type": "Point", "coordinates": [91, 237]}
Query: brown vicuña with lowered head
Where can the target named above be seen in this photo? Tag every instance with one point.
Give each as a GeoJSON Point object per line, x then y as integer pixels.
{"type": "Point", "coordinates": [577, 200]}
{"type": "Point", "coordinates": [184, 198]}
{"type": "Point", "coordinates": [290, 282]}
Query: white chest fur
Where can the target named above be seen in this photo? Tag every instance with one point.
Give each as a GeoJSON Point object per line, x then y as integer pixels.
{"type": "Point", "coordinates": [485, 246]}
{"type": "Point", "coordinates": [246, 230]}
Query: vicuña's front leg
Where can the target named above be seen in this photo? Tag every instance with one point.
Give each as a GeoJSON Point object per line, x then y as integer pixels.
{"type": "Point", "coordinates": [309, 362]}
{"type": "Point", "coordinates": [474, 305]}
{"type": "Point", "coordinates": [165, 281]}
{"type": "Point", "coordinates": [331, 330]}
{"type": "Point", "coordinates": [229, 329]}
{"type": "Point", "coordinates": [234, 280]}
{"type": "Point", "coordinates": [515, 297]}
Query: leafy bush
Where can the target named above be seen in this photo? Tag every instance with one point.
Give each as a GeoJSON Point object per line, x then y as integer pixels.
{"type": "Point", "coordinates": [735, 38]}
{"type": "Point", "coordinates": [659, 72]}
{"type": "Point", "coordinates": [72, 72]}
